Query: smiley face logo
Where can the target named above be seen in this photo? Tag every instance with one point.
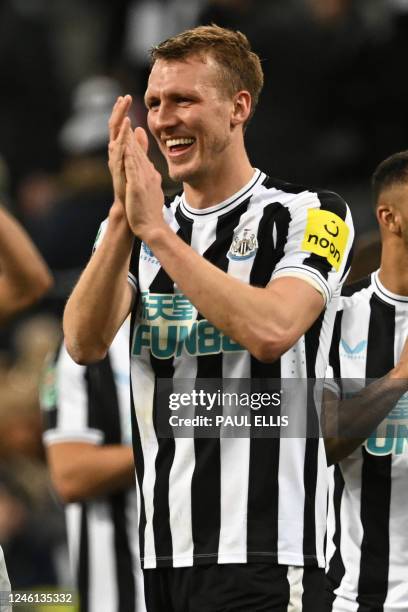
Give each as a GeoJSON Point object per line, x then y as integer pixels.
{"type": "Point", "coordinates": [326, 235]}
{"type": "Point", "coordinates": [333, 226]}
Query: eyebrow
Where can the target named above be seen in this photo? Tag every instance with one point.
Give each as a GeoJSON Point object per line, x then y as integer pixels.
{"type": "Point", "coordinates": [149, 98]}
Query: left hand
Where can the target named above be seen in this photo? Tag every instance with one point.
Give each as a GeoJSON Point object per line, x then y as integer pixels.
{"type": "Point", "coordinates": [144, 195]}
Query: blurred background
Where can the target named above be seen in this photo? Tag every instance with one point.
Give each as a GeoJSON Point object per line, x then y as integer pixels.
{"type": "Point", "coordinates": [334, 105]}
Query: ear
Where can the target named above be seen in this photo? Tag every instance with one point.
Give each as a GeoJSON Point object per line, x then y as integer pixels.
{"type": "Point", "coordinates": [388, 217]}
{"type": "Point", "coordinates": [242, 102]}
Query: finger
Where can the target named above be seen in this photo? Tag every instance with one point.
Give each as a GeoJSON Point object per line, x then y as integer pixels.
{"type": "Point", "coordinates": [130, 164]}
{"type": "Point", "coordinates": [142, 139]}
{"type": "Point", "coordinates": [117, 147]}
{"type": "Point", "coordinates": [119, 112]}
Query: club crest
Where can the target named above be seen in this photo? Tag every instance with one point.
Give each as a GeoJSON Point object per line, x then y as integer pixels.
{"type": "Point", "coordinates": [243, 246]}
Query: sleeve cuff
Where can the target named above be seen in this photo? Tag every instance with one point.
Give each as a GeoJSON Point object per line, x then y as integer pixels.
{"type": "Point", "coordinates": [54, 436]}
{"type": "Point", "coordinates": [314, 282]}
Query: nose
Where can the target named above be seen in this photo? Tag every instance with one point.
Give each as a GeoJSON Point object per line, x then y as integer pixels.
{"type": "Point", "coordinates": [164, 117]}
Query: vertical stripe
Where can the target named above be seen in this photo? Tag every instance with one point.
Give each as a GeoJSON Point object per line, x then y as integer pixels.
{"type": "Point", "coordinates": [72, 395]}
{"type": "Point", "coordinates": [83, 563]}
{"type": "Point", "coordinates": [103, 585]}
{"type": "Point", "coordinates": [164, 371]}
{"type": "Point", "coordinates": [206, 480]}
{"type": "Point", "coordinates": [145, 450]}
{"type": "Point", "coordinates": [373, 582]}
{"type": "Point", "coordinates": [380, 341]}
{"type": "Point", "coordinates": [103, 408]}
{"type": "Point", "coordinates": [313, 596]}
{"type": "Point", "coordinates": [73, 514]}
{"type": "Point", "coordinates": [180, 476]}
{"type": "Point", "coordinates": [263, 485]}
{"type": "Point", "coordinates": [123, 558]}
{"type": "Point", "coordinates": [336, 569]}
{"type": "Point", "coordinates": [235, 452]}
{"type": "Point", "coordinates": [295, 580]}
{"type": "Point", "coordinates": [312, 343]}
{"type": "Point", "coordinates": [140, 476]}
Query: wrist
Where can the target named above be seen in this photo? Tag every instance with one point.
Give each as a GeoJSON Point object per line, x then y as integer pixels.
{"type": "Point", "coordinates": [117, 213]}
{"type": "Point", "coordinates": [153, 236]}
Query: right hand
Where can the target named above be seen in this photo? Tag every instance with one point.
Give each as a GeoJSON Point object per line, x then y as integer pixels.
{"type": "Point", "coordinates": [119, 127]}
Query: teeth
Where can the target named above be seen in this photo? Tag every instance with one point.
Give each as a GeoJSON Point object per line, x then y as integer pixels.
{"type": "Point", "coordinates": [179, 141]}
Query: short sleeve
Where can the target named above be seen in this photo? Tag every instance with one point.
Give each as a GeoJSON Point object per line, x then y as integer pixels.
{"type": "Point", "coordinates": [100, 235]}
{"type": "Point", "coordinates": [64, 402]}
{"type": "Point", "coordinates": [319, 242]}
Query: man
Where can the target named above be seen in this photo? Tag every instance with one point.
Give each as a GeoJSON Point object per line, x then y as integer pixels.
{"type": "Point", "coordinates": [24, 278]}
{"type": "Point", "coordinates": [368, 524]}
{"type": "Point", "coordinates": [87, 436]}
{"type": "Point", "coordinates": [215, 281]}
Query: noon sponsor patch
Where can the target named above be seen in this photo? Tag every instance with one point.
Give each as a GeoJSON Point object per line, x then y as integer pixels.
{"type": "Point", "coordinates": [325, 235]}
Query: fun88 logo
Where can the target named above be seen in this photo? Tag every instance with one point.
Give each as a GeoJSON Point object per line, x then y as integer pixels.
{"type": "Point", "coordinates": [395, 440]}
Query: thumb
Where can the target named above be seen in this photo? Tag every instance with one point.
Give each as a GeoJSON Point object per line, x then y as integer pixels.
{"type": "Point", "coordinates": [141, 138]}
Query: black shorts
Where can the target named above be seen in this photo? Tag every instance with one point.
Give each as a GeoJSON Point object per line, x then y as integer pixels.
{"type": "Point", "coordinates": [252, 587]}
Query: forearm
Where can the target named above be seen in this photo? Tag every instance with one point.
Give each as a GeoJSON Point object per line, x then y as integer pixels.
{"type": "Point", "coordinates": [226, 302]}
{"type": "Point", "coordinates": [90, 471]}
{"type": "Point", "coordinates": [348, 423]}
{"type": "Point", "coordinates": [102, 297]}
{"type": "Point", "coordinates": [24, 275]}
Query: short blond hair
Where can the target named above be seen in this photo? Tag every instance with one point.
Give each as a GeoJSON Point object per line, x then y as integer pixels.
{"type": "Point", "coordinates": [240, 67]}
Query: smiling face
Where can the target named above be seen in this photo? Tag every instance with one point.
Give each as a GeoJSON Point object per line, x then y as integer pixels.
{"type": "Point", "coordinates": [190, 117]}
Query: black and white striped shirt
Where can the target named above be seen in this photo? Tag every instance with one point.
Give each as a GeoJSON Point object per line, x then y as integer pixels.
{"type": "Point", "coordinates": [92, 404]}
{"type": "Point", "coordinates": [368, 519]}
{"type": "Point", "coordinates": [234, 500]}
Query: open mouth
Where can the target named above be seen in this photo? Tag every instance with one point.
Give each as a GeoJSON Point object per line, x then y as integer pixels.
{"type": "Point", "coordinates": [178, 146]}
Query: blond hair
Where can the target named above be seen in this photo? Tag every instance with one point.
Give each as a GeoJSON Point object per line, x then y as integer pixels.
{"type": "Point", "coordinates": [240, 67]}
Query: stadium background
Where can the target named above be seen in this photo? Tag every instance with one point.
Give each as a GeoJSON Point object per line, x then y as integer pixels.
{"type": "Point", "coordinates": [333, 106]}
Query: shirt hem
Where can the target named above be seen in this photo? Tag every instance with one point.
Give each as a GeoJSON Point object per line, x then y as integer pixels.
{"type": "Point", "coordinates": [222, 559]}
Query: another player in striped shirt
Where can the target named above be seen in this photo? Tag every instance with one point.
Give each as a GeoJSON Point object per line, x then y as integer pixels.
{"type": "Point", "coordinates": [368, 519]}
{"type": "Point", "coordinates": [237, 278]}
{"type": "Point", "coordinates": [87, 435]}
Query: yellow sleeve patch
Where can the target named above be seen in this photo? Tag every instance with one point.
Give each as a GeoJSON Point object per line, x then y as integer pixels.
{"type": "Point", "coordinates": [325, 235]}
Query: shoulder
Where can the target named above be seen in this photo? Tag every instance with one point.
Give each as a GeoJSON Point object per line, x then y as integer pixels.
{"type": "Point", "coordinates": [356, 293]}
{"type": "Point", "coordinates": [299, 196]}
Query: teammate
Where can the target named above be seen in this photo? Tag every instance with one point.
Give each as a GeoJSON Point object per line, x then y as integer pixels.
{"type": "Point", "coordinates": [216, 278]}
{"type": "Point", "coordinates": [24, 278]}
{"type": "Point", "coordinates": [87, 436]}
{"type": "Point", "coordinates": [368, 521]}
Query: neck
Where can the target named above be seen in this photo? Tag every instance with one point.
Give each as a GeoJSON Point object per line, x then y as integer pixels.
{"type": "Point", "coordinates": [221, 183]}
{"type": "Point", "coordinates": [393, 272]}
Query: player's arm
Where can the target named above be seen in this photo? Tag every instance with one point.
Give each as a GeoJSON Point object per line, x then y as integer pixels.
{"type": "Point", "coordinates": [347, 423]}
{"type": "Point", "coordinates": [24, 276]}
{"type": "Point", "coordinates": [82, 470]}
{"type": "Point", "coordinates": [102, 298]}
{"type": "Point", "coordinates": [266, 321]}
